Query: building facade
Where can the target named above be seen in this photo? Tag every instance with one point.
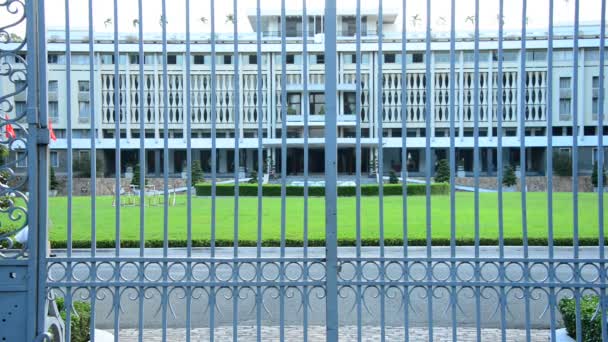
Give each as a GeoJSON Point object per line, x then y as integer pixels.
{"type": "Point", "coordinates": [379, 102]}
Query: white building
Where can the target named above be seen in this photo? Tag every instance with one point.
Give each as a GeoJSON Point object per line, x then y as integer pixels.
{"type": "Point", "coordinates": [393, 112]}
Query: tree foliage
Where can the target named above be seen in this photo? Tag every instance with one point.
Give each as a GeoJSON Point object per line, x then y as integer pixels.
{"type": "Point", "coordinates": [442, 174]}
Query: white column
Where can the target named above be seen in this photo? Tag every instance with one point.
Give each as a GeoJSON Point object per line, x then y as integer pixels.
{"type": "Point", "coordinates": [97, 95]}
{"type": "Point", "coordinates": [431, 97]}
{"type": "Point", "coordinates": [249, 153]}
{"type": "Point", "coordinates": [223, 165]}
{"type": "Point", "coordinates": [155, 87]}
{"type": "Point", "coordinates": [490, 97]}
{"type": "Point", "coordinates": [520, 98]}
{"type": "Point", "coordinates": [184, 104]}
{"type": "Point", "coordinates": [461, 96]}
{"type": "Point", "coordinates": [128, 97]}
{"type": "Point", "coordinates": [581, 95]}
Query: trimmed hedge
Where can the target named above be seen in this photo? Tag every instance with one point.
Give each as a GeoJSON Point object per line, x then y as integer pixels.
{"type": "Point", "coordinates": [321, 242]}
{"type": "Point", "coordinates": [274, 190]}
{"type": "Point", "coordinates": [591, 318]}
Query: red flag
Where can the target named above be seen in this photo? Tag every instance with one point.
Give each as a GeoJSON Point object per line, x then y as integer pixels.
{"type": "Point", "coordinates": [52, 133]}
{"type": "Point", "coordinates": [10, 132]}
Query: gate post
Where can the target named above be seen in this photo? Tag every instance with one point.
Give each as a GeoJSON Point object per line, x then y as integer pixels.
{"type": "Point", "coordinates": [331, 152]}
{"type": "Point", "coordinates": [38, 152]}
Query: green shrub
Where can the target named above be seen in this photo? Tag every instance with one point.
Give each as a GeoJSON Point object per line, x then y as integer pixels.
{"type": "Point", "coordinates": [392, 178]}
{"type": "Point", "coordinates": [274, 190]}
{"type": "Point", "coordinates": [509, 178]}
{"type": "Point", "coordinates": [442, 174]}
{"type": "Point", "coordinates": [53, 183]}
{"type": "Point", "coordinates": [594, 179]}
{"type": "Point", "coordinates": [591, 318]}
{"type": "Point", "coordinates": [80, 319]}
{"type": "Point", "coordinates": [562, 164]}
{"type": "Point", "coordinates": [254, 177]}
{"type": "Point", "coordinates": [136, 176]}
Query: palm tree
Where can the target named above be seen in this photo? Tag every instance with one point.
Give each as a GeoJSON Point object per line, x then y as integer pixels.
{"type": "Point", "coordinates": [502, 20]}
{"type": "Point", "coordinates": [416, 19]}
{"type": "Point", "coordinates": [470, 19]}
{"type": "Point", "coordinates": [135, 22]}
{"type": "Point", "coordinates": [203, 20]}
{"type": "Point", "coordinates": [107, 22]}
{"type": "Point", "coordinates": [441, 21]}
{"type": "Point", "coordinates": [230, 18]}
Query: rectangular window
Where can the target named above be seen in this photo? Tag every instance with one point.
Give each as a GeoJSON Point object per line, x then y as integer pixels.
{"type": "Point", "coordinates": [226, 59]}
{"type": "Point", "coordinates": [199, 59]}
{"type": "Point", "coordinates": [317, 59]}
{"type": "Point", "coordinates": [536, 55]}
{"type": "Point", "coordinates": [390, 58]}
{"type": "Point", "coordinates": [349, 26]}
{"type": "Point", "coordinates": [417, 58]}
{"type": "Point", "coordinates": [317, 103]}
{"type": "Point", "coordinates": [442, 57]}
{"type": "Point", "coordinates": [56, 58]}
{"type": "Point", "coordinates": [80, 59]}
{"type": "Point", "coordinates": [294, 104]}
{"type": "Point", "coordinates": [350, 103]}
{"type": "Point", "coordinates": [21, 159]}
{"type": "Point", "coordinates": [53, 110]}
{"type": "Point", "coordinates": [252, 59]}
{"type": "Point", "coordinates": [595, 100]}
{"type": "Point", "coordinates": [133, 58]}
{"type": "Point", "coordinates": [83, 86]}
{"type": "Point", "coordinates": [84, 111]}
{"type": "Point", "coordinates": [290, 59]}
{"type": "Point", "coordinates": [107, 58]}
{"type": "Point", "coordinates": [53, 85]}
{"type": "Point", "coordinates": [562, 55]}
{"type": "Point", "coordinates": [83, 155]}
{"type": "Point", "coordinates": [20, 107]}
{"type": "Point", "coordinates": [565, 101]}
{"type": "Point", "coordinates": [149, 59]}
{"type": "Point", "coordinates": [54, 159]}
{"type": "Point", "coordinates": [172, 59]}
{"type": "Point", "coordinates": [507, 56]}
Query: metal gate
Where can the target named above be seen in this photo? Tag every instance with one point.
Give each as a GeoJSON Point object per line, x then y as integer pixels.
{"type": "Point", "coordinates": [366, 90]}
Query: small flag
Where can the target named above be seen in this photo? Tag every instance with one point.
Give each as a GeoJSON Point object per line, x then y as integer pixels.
{"type": "Point", "coordinates": [10, 132]}
{"type": "Point", "coordinates": [52, 133]}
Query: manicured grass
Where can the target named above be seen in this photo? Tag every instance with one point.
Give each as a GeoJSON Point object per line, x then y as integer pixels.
{"type": "Point", "coordinates": [271, 220]}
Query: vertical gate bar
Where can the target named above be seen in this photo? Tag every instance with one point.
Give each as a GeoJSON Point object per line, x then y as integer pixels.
{"type": "Point", "coordinates": [260, 117]}
{"type": "Point", "coordinates": [283, 169]}
{"type": "Point", "coordinates": [452, 80]}
{"type": "Point", "coordinates": [600, 179]}
{"type": "Point", "coordinates": [575, 133]}
{"type": "Point", "coordinates": [476, 166]}
{"type": "Point", "coordinates": [213, 173]}
{"type": "Point", "coordinates": [236, 116]}
{"type": "Point", "coordinates": [93, 153]}
{"type": "Point", "coordinates": [358, 163]}
{"type": "Point", "coordinates": [404, 162]}
{"type": "Point", "coordinates": [600, 172]}
{"type": "Point", "coordinates": [427, 119]}
{"type": "Point", "coordinates": [552, 297]}
{"type": "Point", "coordinates": [522, 161]}
{"type": "Point", "coordinates": [500, 167]}
{"type": "Point", "coordinates": [142, 170]}
{"type": "Point", "coordinates": [381, 171]}
{"type": "Point", "coordinates": [331, 191]}
{"type": "Point", "coordinates": [68, 77]}
{"type": "Point", "coordinates": [117, 115]}
{"type": "Point", "coordinates": [189, 184]}
{"type": "Point", "coordinates": [305, 114]}
{"type": "Point", "coordinates": [165, 82]}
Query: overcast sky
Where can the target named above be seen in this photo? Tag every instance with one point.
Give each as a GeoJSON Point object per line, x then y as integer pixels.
{"type": "Point", "coordinates": [440, 13]}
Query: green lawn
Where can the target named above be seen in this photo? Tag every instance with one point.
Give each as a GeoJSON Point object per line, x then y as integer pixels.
{"type": "Point", "coordinates": [393, 228]}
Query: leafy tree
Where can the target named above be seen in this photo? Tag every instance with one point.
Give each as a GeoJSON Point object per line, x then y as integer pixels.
{"type": "Point", "coordinates": [442, 174]}
{"type": "Point", "coordinates": [197, 172]}
{"type": "Point", "coordinates": [509, 178]}
{"type": "Point", "coordinates": [392, 178]}
{"type": "Point", "coordinates": [254, 177]}
{"type": "Point", "coordinates": [594, 178]}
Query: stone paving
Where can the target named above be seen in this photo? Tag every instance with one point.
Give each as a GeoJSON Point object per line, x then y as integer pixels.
{"type": "Point", "coordinates": [347, 333]}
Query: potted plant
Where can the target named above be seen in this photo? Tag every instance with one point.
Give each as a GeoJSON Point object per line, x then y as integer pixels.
{"type": "Point", "coordinates": [594, 178]}
{"type": "Point", "coordinates": [53, 183]}
{"type": "Point", "coordinates": [509, 179]}
{"type": "Point", "coordinates": [460, 173]}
